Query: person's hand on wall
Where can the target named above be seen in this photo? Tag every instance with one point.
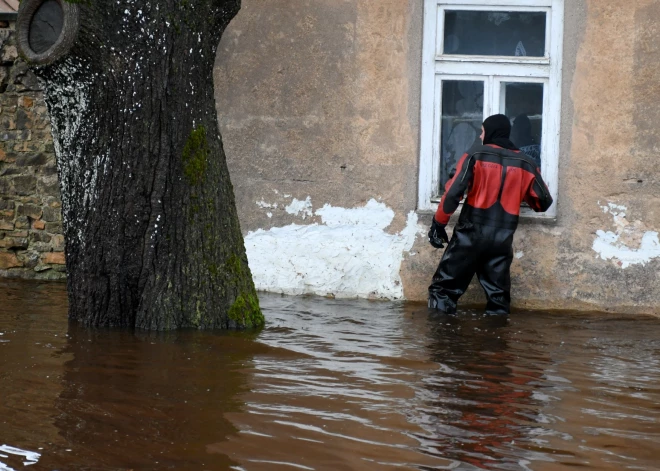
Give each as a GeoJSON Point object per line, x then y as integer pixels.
{"type": "Point", "coordinates": [437, 234]}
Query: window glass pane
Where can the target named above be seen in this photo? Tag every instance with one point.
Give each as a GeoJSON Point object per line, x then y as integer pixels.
{"type": "Point", "coordinates": [523, 105]}
{"type": "Point", "coordinates": [462, 115]}
{"type": "Point", "coordinates": [494, 33]}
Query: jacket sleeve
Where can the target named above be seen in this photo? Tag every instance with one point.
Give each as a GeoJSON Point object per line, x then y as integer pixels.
{"type": "Point", "coordinates": [455, 189]}
{"type": "Point", "coordinates": [538, 196]}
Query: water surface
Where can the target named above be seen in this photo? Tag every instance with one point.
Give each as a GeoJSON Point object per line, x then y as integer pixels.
{"type": "Point", "coordinates": [328, 385]}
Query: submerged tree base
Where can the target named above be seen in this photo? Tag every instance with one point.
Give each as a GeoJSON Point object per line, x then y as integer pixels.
{"type": "Point", "coordinates": [152, 235]}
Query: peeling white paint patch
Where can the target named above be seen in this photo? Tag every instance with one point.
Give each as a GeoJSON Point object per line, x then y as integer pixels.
{"type": "Point", "coordinates": [300, 208]}
{"type": "Point", "coordinates": [614, 209]}
{"type": "Point", "coordinates": [263, 204]}
{"type": "Point", "coordinates": [614, 246]}
{"type": "Point", "coordinates": [607, 246]}
{"type": "Point", "coordinates": [372, 214]}
{"type": "Point", "coordinates": [348, 255]}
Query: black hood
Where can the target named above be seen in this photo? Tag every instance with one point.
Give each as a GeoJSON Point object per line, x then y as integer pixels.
{"type": "Point", "coordinates": [497, 129]}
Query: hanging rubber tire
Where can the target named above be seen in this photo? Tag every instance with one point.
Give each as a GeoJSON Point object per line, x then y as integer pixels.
{"type": "Point", "coordinates": [46, 29]}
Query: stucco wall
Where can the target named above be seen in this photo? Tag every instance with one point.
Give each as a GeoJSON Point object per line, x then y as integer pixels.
{"type": "Point", "coordinates": [320, 98]}
{"type": "Point", "coordinates": [319, 105]}
{"type": "Point", "coordinates": [610, 170]}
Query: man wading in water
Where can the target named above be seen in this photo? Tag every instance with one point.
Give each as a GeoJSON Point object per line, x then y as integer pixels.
{"type": "Point", "coordinates": [497, 177]}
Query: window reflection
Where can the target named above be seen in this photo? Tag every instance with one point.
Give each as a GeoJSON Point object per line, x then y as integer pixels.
{"type": "Point", "coordinates": [494, 33]}
{"type": "Point", "coordinates": [523, 105]}
{"type": "Point", "coordinates": [462, 115]}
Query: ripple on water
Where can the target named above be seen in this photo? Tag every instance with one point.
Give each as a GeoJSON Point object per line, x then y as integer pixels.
{"type": "Point", "coordinates": [461, 393]}
{"type": "Point", "coordinates": [330, 385]}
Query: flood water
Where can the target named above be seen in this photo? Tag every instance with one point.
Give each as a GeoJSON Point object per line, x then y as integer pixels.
{"type": "Point", "coordinates": [328, 385]}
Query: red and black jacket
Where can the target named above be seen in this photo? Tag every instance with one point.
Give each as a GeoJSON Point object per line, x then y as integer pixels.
{"type": "Point", "coordinates": [497, 181]}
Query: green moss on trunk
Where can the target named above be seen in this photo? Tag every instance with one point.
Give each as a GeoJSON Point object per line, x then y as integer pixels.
{"type": "Point", "coordinates": [233, 266]}
{"type": "Point", "coordinates": [246, 312]}
{"type": "Point", "coordinates": [195, 156]}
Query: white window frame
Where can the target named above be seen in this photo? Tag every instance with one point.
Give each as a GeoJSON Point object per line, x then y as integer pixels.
{"type": "Point", "coordinates": [492, 70]}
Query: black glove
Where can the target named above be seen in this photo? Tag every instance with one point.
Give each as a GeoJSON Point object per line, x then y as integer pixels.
{"type": "Point", "coordinates": [437, 234]}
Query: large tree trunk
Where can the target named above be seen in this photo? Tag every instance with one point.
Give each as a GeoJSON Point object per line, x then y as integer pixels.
{"type": "Point", "coordinates": [152, 235]}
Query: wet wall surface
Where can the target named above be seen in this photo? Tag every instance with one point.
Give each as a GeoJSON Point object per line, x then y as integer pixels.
{"type": "Point", "coordinates": [328, 385]}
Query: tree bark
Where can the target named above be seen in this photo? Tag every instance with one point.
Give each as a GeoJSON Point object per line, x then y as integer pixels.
{"type": "Point", "coordinates": [152, 234]}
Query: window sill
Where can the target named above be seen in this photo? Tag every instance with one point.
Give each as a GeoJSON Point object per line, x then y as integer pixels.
{"type": "Point", "coordinates": [493, 59]}
{"type": "Point", "coordinates": [527, 216]}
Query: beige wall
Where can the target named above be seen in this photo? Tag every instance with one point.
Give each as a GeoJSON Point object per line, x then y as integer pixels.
{"type": "Point", "coordinates": [320, 99]}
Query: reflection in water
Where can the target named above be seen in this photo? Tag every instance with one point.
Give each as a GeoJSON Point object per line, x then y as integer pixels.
{"type": "Point", "coordinates": [150, 399]}
{"type": "Point", "coordinates": [328, 385]}
{"type": "Point", "coordinates": [482, 395]}
{"type": "Point", "coordinates": [337, 390]}
{"type": "Point", "coordinates": [30, 369]}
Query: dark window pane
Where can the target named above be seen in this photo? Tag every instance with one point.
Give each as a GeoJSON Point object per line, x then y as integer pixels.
{"type": "Point", "coordinates": [523, 104]}
{"type": "Point", "coordinates": [494, 33]}
{"type": "Point", "coordinates": [462, 115]}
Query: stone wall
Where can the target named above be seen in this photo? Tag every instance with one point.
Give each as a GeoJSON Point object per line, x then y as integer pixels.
{"type": "Point", "coordinates": [31, 240]}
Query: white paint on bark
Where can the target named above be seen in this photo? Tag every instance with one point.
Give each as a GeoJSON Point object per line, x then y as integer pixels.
{"type": "Point", "coordinates": [67, 97]}
{"type": "Point", "coordinates": [348, 255]}
{"type": "Point", "coordinates": [617, 245]}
